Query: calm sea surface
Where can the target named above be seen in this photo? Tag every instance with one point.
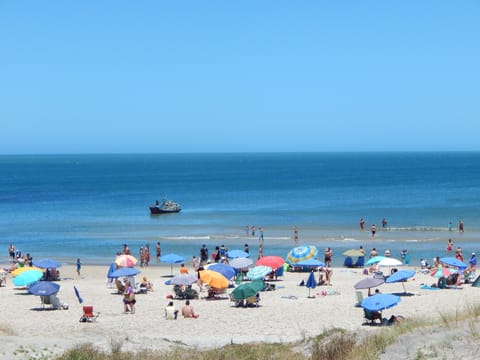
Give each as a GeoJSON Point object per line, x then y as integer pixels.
{"type": "Point", "coordinates": [88, 206]}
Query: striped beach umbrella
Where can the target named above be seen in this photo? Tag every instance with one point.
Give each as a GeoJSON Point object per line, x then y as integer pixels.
{"type": "Point", "coordinates": [301, 253]}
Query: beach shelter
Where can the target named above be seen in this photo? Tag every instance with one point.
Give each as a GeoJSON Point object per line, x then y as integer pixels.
{"type": "Point", "coordinates": [401, 276]}
{"type": "Point", "coordinates": [301, 253]}
{"type": "Point", "coordinates": [258, 272]}
{"type": "Point", "coordinates": [183, 279]}
{"type": "Point", "coordinates": [27, 277]}
{"type": "Point", "coordinates": [20, 270]}
{"type": "Point", "coordinates": [311, 283]}
{"type": "Point", "coordinates": [374, 260]}
{"type": "Point", "coordinates": [213, 279]}
{"type": "Point", "coordinates": [451, 261]}
{"type": "Point", "coordinates": [43, 288]}
{"type": "Point", "coordinates": [172, 259]}
{"type": "Point", "coordinates": [128, 271]}
{"type": "Point", "coordinates": [47, 264]}
{"type": "Point", "coordinates": [247, 290]}
{"type": "Point", "coordinates": [125, 260]}
{"type": "Point", "coordinates": [240, 263]}
{"type": "Point", "coordinates": [224, 269]}
{"type": "Point", "coordinates": [380, 302]}
{"type": "Point", "coordinates": [368, 283]}
{"type": "Point", "coordinates": [310, 263]}
{"type": "Point", "coordinates": [273, 261]}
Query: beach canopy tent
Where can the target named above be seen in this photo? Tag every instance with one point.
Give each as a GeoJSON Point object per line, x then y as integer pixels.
{"type": "Point", "coordinates": [273, 261]}
{"type": "Point", "coordinates": [43, 288]}
{"type": "Point", "coordinates": [47, 264]}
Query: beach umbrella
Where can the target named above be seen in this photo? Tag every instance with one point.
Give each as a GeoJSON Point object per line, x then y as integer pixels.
{"type": "Point", "coordinates": [224, 269]}
{"type": "Point", "coordinates": [240, 263]}
{"type": "Point", "coordinates": [310, 262]}
{"type": "Point", "coordinates": [111, 269]}
{"type": "Point", "coordinates": [183, 279]}
{"type": "Point", "coordinates": [172, 259]}
{"type": "Point", "coordinates": [380, 302]}
{"type": "Point", "coordinates": [233, 254]}
{"type": "Point", "coordinates": [300, 253]}
{"type": "Point", "coordinates": [374, 260]}
{"type": "Point", "coordinates": [400, 276]}
{"type": "Point", "coordinates": [27, 278]}
{"type": "Point", "coordinates": [451, 261]}
{"type": "Point", "coordinates": [43, 288]}
{"type": "Point", "coordinates": [258, 272]}
{"type": "Point", "coordinates": [127, 271]}
{"type": "Point", "coordinates": [442, 272]}
{"type": "Point", "coordinates": [368, 283]}
{"type": "Point", "coordinates": [311, 283]}
{"type": "Point", "coordinates": [20, 270]}
{"type": "Point", "coordinates": [214, 279]}
{"type": "Point", "coordinates": [125, 260]}
{"type": "Point", "coordinates": [47, 264]}
{"type": "Point", "coordinates": [77, 294]}
{"type": "Point", "coordinates": [353, 253]}
{"type": "Point", "coordinates": [247, 290]}
{"type": "Point", "coordinates": [388, 261]}
{"type": "Point", "coordinates": [273, 261]}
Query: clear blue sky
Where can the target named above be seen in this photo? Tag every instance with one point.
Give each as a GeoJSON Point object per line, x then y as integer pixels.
{"type": "Point", "coordinates": [223, 76]}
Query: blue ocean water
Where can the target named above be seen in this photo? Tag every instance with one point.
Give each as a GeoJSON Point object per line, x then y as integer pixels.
{"type": "Point", "coordinates": [88, 206]}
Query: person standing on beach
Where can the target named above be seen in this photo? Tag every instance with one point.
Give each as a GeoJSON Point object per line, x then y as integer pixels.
{"type": "Point", "coordinates": [142, 256]}
{"type": "Point", "coordinates": [11, 252]}
{"type": "Point", "coordinates": [260, 237]}
{"type": "Point", "coordinates": [373, 253]}
{"type": "Point", "coordinates": [295, 235]}
{"type": "Point", "coordinates": [246, 249]}
{"type": "Point", "coordinates": [362, 223]}
{"type": "Point", "coordinates": [327, 256]}
{"type": "Point", "coordinates": [247, 230]}
{"type": "Point", "coordinates": [460, 226]}
{"type": "Point", "coordinates": [459, 254]}
{"type": "Point", "coordinates": [129, 299]}
{"type": "Point", "coordinates": [79, 266]}
{"type": "Point", "coordinates": [252, 230]}
{"type": "Point", "coordinates": [450, 226]}
{"type": "Point", "coordinates": [147, 254]}
{"type": "Point", "coordinates": [373, 229]}
{"type": "Point", "coordinates": [203, 255]}
{"type": "Point", "coordinates": [384, 223]}
{"type": "Point", "coordinates": [260, 251]}
{"type": "Point", "coordinates": [158, 251]}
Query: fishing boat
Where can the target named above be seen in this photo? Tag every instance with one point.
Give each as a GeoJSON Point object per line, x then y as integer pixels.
{"type": "Point", "coordinates": [166, 206]}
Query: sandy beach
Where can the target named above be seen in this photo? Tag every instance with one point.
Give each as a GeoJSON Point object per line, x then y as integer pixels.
{"type": "Point", "coordinates": [284, 315]}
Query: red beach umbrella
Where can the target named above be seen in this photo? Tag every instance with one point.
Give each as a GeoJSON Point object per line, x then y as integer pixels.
{"type": "Point", "coordinates": [272, 261]}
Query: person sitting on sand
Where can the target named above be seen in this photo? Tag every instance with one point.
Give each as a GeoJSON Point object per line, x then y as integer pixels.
{"type": "Point", "coordinates": [187, 311]}
{"type": "Point", "coordinates": [129, 299]}
{"type": "Point", "coordinates": [170, 312]}
{"type": "Point", "coordinates": [325, 275]}
{"type": "Point", "coordinates": [146, 284]}
{"type": "Point", "coordinates": [183, 269]}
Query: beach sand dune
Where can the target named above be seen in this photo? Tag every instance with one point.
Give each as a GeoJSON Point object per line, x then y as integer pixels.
{"type": "Point", "coordinates": [284, 315]}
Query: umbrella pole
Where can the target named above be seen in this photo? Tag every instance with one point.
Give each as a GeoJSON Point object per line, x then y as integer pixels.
{"type": "Point", "coordinates": [404, 289]}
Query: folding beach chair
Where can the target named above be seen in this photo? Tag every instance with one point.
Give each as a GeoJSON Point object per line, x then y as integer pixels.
{"type": "Point", "coordinates": [88, 314]}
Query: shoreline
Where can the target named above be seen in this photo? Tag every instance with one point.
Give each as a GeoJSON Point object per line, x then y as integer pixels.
{"type": "Point", "coordinates": [284, 315]}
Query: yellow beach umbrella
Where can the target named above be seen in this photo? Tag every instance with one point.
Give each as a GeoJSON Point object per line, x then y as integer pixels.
{"type": "Point", "coordinates": [20, 270]}
{"type": "Point", "coordinates": [214, 279]}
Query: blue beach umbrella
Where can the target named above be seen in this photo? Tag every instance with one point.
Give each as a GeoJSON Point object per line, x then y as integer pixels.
{"type": "Point", "coordinates": [374, 260]}
{"type": "Point", "coordinates": [301, 253]}
{"type": "Point", "coordinates": [310, 263]}
{"type": "Point", "coordinates": [172, 259]}
{"type": "Point", "coordinates": [226, 270]}
{"type": "Point", "coordinates": [47, 264]}
{"type": "Point", "coordinates": [124, 272]}
{"type": "Point", "coordinates": [258, 272]}
{"type": "Point", "coordinates": [233, 254]}
{"type": "Point", "coordinates": [27, 277]}
{"type": "Point", "coordinates": [182, 279]}
{"type": "Point", "coordinates": [401, 276]}
{"type": "Point", "coordinates": [77, 294]}
{"type": "Point", "coordinates": [111, 269]}
{"type": "Point", "coordinates": [380, 302]}
{"type": "Point", "coordinates": [43, 288]}
{"type": "Point", "coordinates": [311, 283]}
{"type": "Point", "coordinates": [451, 261]}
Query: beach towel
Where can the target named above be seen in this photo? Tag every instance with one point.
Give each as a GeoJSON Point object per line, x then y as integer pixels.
{"type": "Point", "coordinates": [428, 287]}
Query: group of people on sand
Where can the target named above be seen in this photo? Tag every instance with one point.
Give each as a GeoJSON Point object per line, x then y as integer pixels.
{"type": "Point", "coordinates": [171, 313]}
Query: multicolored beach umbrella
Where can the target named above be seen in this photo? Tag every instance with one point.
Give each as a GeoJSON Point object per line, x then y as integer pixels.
{"type": "Point", "coordinates": [301, 253]}
{"type": "Point", "coordinates": [27, 277]}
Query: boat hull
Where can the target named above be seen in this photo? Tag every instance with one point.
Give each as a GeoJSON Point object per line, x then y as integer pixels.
{"type": "Point", "coordinates": [154, 210]}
